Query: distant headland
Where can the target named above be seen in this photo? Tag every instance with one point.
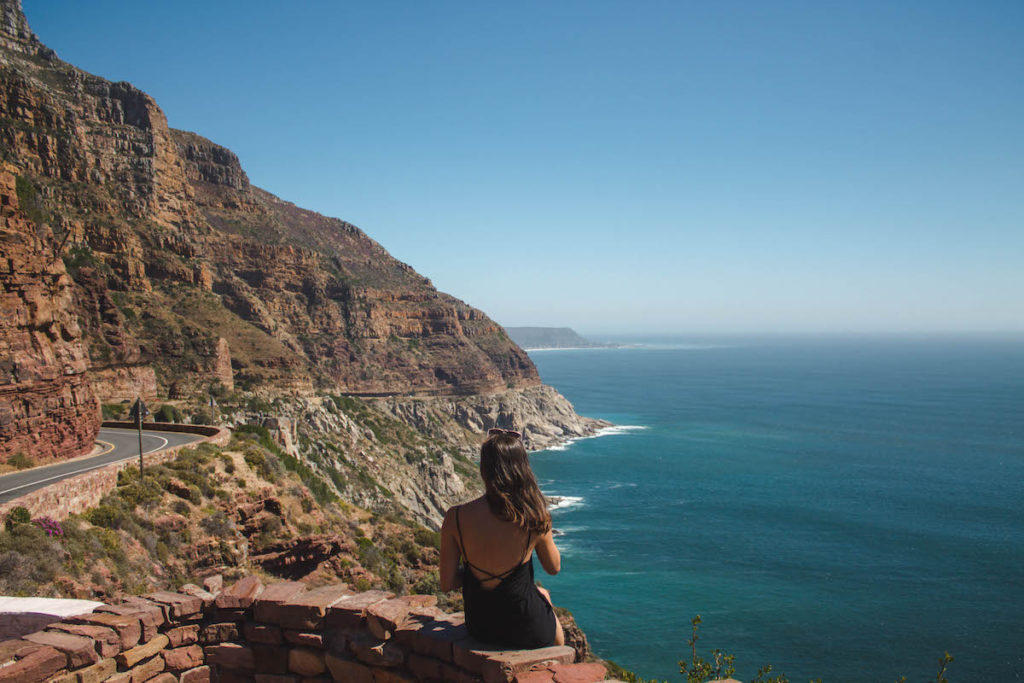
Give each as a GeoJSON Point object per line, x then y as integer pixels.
{"type": "Point", "coordinates": [535, 338]}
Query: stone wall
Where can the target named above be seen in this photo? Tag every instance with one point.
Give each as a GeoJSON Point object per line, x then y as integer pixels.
{"type": "Point", "coordinates": [281, 633]}
{"type": "Point", "coordinates": [79, 493]}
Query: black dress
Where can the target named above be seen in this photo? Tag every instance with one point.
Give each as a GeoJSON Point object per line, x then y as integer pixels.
{"type": "Point", "coordinates": [513, 614]}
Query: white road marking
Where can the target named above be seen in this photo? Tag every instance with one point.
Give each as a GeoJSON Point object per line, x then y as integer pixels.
{"type": "Point", "coordinates": [86, 469]}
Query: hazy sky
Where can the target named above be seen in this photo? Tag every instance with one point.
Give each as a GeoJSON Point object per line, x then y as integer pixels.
{"type": "Point", "coordinates": [674, 166]}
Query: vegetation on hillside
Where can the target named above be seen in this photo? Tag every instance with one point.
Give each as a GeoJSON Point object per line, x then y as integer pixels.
{"type": "Point", "coordinates": [234, 511]}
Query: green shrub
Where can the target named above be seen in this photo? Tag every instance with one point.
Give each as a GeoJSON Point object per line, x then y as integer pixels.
{"type": "Point", "coordinates": [217, 524]}
{"type": "Point", "coordinates": [107, 516]}
{"type": "Point", "coordinates": [113, 411]}
{"type": "Point", "coordinates": [167, 413]}
{"type": "Point", "coordinates": [321, 490]}
{"type": "Point", "coordinates": [16, 516]}
{"type": "Point", "coordinates": [29, 200]}
{"type": "Point", "coordinates": [257, 460]}
{"type": "Point", "coordinates": [425, 537]}
{"type": "Point", "coordinates": [20, 461]}
{"type": "Point", "coordinates": [429, 584]}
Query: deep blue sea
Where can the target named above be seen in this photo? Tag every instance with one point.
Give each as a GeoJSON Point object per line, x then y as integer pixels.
{"type": "Point", "coordinates": [843, 508]}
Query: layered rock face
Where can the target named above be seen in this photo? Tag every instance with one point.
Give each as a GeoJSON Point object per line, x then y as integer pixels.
{"type": "Point", "coordinates": [47, 407]}
{"type": "Point", "coordinates": [174, 251]}
{"type": "Point", "coordinates": [544, 417]}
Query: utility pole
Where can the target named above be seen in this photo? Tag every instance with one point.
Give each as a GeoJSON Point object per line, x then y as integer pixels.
{"type": "Point", "coordinates": [139, 411]}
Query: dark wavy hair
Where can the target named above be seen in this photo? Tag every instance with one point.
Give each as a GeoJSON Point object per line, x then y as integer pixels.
{"type": "Point", "coordinates": [512, 491]}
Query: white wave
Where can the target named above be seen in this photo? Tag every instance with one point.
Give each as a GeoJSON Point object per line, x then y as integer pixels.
{"type": "Point", "coordinates": [604, 431]}
{"type": "Point", "coordinates": [620, 484]}
{"type": "Point", "coordinates": [563, 502]}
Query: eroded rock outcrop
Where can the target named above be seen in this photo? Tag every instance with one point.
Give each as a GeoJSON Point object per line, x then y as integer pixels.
{"type": "Point", "coordinates": [47, 408]}
{"type": "Point", "coordinates": [545, 417]}
{"type": "Point", "coordinates": [174, 251]}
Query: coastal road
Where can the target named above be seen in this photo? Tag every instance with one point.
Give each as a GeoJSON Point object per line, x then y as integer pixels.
{"type": "Point", "coordinates": [118, 445]}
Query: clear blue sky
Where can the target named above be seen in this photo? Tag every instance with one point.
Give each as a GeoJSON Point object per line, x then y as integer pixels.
{"type": "Point", "coordinates": [706, 166]}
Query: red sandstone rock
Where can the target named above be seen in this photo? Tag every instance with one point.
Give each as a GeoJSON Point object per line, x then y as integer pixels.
{"type": "Point", "coordinates": [183, 635]}
{"type": "Point", "coordinates": [349, 611]}
{"type": "Point", "coordinates": [128, 629]}
{"type": "Point", "coordinates": [100, 671]}
{"type": "Point", "coordinates": [345, 668]}
{"type": "Point", "coordinates": [200, 674]}
{"type": "Point", "coordinates": [307, 610]}
{"type": "Point", "coordinates": [241, 594]}
{"type": "Point", "coordinates": [383, 618]}
{"type": "Point", "coordinates": [79, 651]}
{"type": "Point", "coordinates": [271, 659]}
{"type": "Point", "coordinates": [147, 669]}
{"type": "Point", "coordinates": [180, 605]}
{"type": "Point", "coordinates": [280, 678]}
{"type": "Point", "coordinates": [541, 676]}
{"type": "Point", "coordinates": [437, 637]}
{"type": "Point", "coordinates": [503, 665]}
{"type": "Point", "coordinates": [130, 658]}
{"type": "Point", "coordinates": [266, 604]}
{"type": "Point", "coordinates": [230, 656]}
{"type": "Point", "coordinates": [107, 641]}
{"type": "Point", "coordinates": [151, 615]}
{"type": "Point", "coordinates": [578, 673]}
{"type": "Point", "coordinates": [314, 640]}
{"type": "Point", "coordinates": [218, 633]}
{"type": "Point", "coordinates": [232, 676]}
{"type": "Point", "coordinates": [183, 658]}
{"type": "Point", "coordinates": [392, 676]}
{"type": "Point", "coordinates": [47, 407]}
{"type": "Point", "coordinates": [376, 652]}
{"type": "Point", "coordinates": [262, 633]}
{"type": "Point", "coordinates": [22, 661]}
{"type": "Point", "coordinates": [306, 661]}
{"type": "Point", "coordinates": [205, 596]}
{"type": "Point", "coordinates": [214, 583]}
{"type": "Point", "coordinates": [424, 667]}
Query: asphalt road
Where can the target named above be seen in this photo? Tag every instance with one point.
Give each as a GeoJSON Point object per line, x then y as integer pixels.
{"type": "Point", "coordinates": [119, 444]}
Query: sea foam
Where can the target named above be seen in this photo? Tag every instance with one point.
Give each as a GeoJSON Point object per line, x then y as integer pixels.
{"type": "Point", "coordinates": [563, 502]}
{"type": "Point", "coordinates": [604, 431]}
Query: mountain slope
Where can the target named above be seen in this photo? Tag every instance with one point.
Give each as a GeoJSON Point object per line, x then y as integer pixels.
{"type": "Point", "coordinates": [173, 251]}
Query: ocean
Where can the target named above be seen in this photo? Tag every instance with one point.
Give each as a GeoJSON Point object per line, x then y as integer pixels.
{"type": "Point", "coordinates": [848, 508]}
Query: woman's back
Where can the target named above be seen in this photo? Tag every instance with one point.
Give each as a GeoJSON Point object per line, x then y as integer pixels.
{"type": "Point", "coordinates": [487, 546]}
{"type": "Point", "coordinates": [503, 604]}
{"type": "Point", "coordinates": [491, 547]}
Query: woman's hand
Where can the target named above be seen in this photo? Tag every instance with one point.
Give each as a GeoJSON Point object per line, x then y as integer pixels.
{"type": "Point", "coordinates": [547, 553]}
{"type": "Point", "coordinates": [451, 576]}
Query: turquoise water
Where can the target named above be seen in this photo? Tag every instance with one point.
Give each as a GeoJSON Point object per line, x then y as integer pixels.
{"type": "Point", "coordinates": [842, 508]}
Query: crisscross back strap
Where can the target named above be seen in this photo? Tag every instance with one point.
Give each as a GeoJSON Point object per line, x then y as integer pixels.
{"type": "Point", "coordinates": [490, 575]}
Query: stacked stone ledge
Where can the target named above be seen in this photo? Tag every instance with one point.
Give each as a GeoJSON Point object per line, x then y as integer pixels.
{"type": "Point", "coordinates": [280, 633]}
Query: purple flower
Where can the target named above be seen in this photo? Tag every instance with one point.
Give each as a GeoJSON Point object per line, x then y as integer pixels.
{"type": "Point", "coordinates": [51, 526]}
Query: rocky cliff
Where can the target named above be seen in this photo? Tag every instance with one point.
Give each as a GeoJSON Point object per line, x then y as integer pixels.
{"type": "Point", "coordinates": [188, 281]}
{"type": "Point", "coordinates": [173, 250]}
{"type": "Point", "coordinates": [47, 408]}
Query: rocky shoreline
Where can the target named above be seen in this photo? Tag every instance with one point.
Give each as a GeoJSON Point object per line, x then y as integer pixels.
{"type": "Point", "coordinates": [545, 417]}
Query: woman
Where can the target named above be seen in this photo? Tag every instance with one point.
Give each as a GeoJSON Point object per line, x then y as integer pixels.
{"type": "Point", "coordinates": [495, 536]}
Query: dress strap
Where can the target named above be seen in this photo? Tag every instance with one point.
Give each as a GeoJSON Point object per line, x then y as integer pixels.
{"type": "Point", "coordinates": [490, 575]}
{"type": "Point", "coordinates": [458, 525]}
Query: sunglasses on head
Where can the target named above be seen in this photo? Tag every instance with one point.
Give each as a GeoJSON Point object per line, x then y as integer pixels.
{"type": "Point", "coordinates": [498, 430]}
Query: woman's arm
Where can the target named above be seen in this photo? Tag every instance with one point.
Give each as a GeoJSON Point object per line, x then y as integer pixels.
{"type": "Point", "coordinates": [548, 553]}
{"type": "Point", "coordinates": [451, 578]}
